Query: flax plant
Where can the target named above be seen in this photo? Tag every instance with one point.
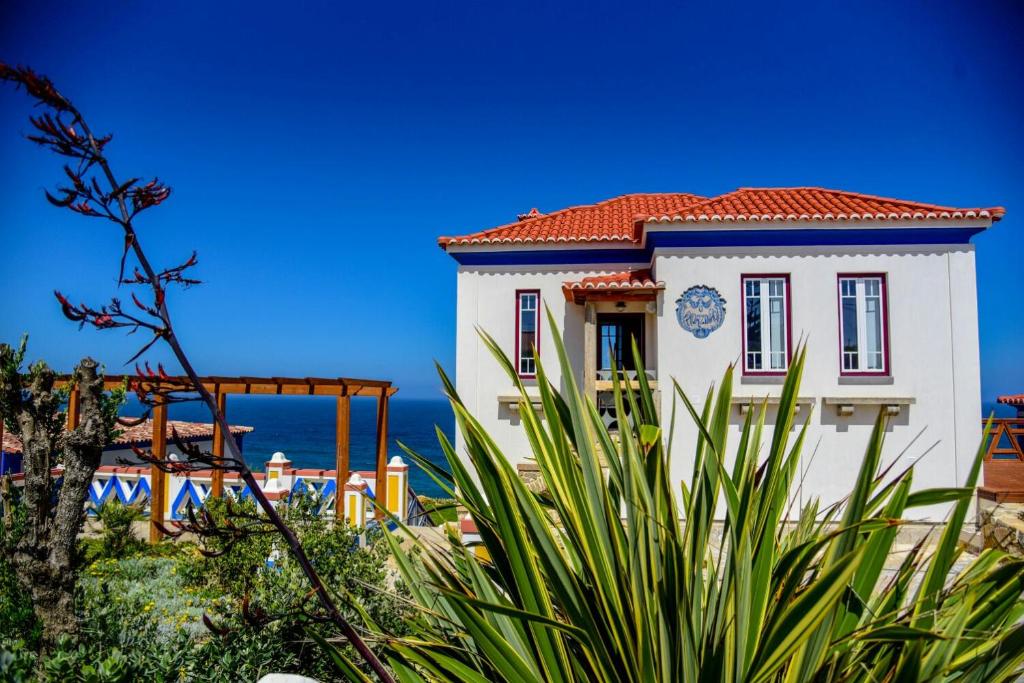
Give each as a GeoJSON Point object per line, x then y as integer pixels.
{"type": "Point", "coordinates": [615, 572]}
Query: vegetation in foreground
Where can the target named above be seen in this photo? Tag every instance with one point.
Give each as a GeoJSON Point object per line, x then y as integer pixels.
{"type": "Point", "coordinates": [595, 578]}
{"type": "Point", "coordinates": [141, 608]}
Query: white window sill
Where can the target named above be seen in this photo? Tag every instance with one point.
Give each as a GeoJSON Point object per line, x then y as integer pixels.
{"type": "Point", "coordinates": [744, 403]}
{"type": "Point", "coordinates": [762, 379]}
{"type": "Point", "coordinates": [846, 405]}
{"type": "Point", "coordinates": [865, 380]}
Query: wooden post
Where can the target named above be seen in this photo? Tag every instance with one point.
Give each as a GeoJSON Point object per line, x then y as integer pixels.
{"type": "Point", "coordinates": [380, 488]}
{"type": "Point", "coordinates": [157, 477]}
{"type": "Point", "coordinates": [590, 351]}
{"type": "Point", "coordinates": [74, 409]}
{"type": "Point", "coordinates": [217, 482]}
{"type": "Point", "coordinates": [341, 454]}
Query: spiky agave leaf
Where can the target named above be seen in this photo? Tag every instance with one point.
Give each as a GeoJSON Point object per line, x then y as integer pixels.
{"type": "Point", "coordinates": [615, 572]}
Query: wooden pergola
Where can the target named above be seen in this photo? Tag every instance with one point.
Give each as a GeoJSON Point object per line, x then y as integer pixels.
{"type": "Point", "coordinates": [343, 388]}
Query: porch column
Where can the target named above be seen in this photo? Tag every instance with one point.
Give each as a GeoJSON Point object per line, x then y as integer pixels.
{"type": "Point", "coordinates": [157, 477]}
{"type": "Point", "coordinates": [380, 487]}
{"type": "Point", "coordinates": [590, 350]}
{"type": "Point", "coordinates": [217, 482]}
{"type": "Point", "coordinates": [74, 408]}
{"type": "Point", "coordinates": [341, 450]}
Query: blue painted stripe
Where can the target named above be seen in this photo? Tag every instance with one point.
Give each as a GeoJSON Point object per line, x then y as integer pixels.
{"type": "Point", "coordinates": [720, 238]}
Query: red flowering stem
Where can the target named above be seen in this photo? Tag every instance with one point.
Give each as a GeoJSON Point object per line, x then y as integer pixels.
{"type": "Point", "coordinates": [246, 474]}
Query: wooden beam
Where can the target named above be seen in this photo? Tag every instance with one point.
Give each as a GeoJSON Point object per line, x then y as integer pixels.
{"type": "Point", "coordinates": [157, 477]}
{"type": "Point", "coordinates": [380, 488]}
{"type": "Point", "coordinates": [341, 454]}
{"type": "Point", "coordinates": [590, 351]}
{"type": "Point", "coordinates": [217, 481]}
{"type": "Point", "coordinates": [74, 408]}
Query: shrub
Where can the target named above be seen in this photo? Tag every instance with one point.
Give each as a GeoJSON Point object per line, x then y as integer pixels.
{"type": "Point", "coordinates": [440, 510]}
{"type": "Point", "coordinates": [631, 584]}
{"type": "Point", "coordinates": [117, 537]}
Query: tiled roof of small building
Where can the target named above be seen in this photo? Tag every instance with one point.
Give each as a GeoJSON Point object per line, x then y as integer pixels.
{"type": "Point", "coordinates": [627, 279]}
{"type": "Point", "coordinates": [142, 433]}
{"type": "Point", "coordinates": [613, 220]}
{"type": "Point", "coordinates": [620, 219]}
{"type": "Point", "coordinates": [815, 204]}
{"type": "Point", "coordinates": [1012, 399]}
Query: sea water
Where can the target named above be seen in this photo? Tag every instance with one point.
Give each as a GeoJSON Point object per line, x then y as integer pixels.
{"type": "Point", "coordinates": [303, 428]}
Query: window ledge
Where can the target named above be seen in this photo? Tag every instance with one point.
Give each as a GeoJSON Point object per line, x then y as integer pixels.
{"type": "Point", "coordinates": [846, 405]}
{"type": "Point", "coordinates": [512, 401]}
{"type": "Point", "coordinates": [763, 379]}
{"type": "Point", "coordinates": [865, 380]}
{"type": "Point", "coordinates": [744, 402]}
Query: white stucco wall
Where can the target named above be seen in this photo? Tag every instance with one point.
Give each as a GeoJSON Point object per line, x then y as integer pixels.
{"type": "Point", "coordinates": [933, 335]}
{"type": "Point", "coordinates": [933, 340]}
{"type": "Point", "coordinates": [487, 300]}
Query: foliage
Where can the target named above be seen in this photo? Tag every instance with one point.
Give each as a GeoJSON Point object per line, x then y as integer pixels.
{"type": "Point", "coordinates": [441, 510]}
{"type": "Point", "coordinates": [256, 569]}
{"type": "Point", "coordinates": [142, 612]}
{"type": "Point", "coordinates": [118, 538]}
{"type": "Point", "coordinates": [618, 575]}
{"type": "Point", "coordinates": [17, 620]}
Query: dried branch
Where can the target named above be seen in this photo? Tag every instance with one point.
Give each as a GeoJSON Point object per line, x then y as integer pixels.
{"type": "Point", "coordinates": [64, 131]}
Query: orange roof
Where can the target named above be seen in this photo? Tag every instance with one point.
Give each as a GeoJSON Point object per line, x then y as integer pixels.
{"type": "Point", "coordinates": [613, 220]}
{"type": "Point", "coordinates": [620, 219]}
{"type": "Point", "coordinates": [816, 204]}
{"type": "Point", "coordinates": [143, 433]}
{"type": "Point", "coordinates": [626, 281]}
{"type": "Point", "coordinates": [1012, 400]}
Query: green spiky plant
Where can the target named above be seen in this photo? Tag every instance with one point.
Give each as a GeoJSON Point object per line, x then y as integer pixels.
{"type": "Point", "coordinates": [614, 573]}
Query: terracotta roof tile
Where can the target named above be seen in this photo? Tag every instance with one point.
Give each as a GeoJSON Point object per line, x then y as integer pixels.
{"type": "Point", "coordinates": [1012, 400]}
{"type": "Point", "coordinates": [143, 433]}
{"type": "Point", "coordinates": [613, 220]}
{"type": "Point", "coordinates": [620, 219]}
{"type": "Point", "coordinates": [815, 204]}
{"type": "Point", "coordinates": [626, 281]}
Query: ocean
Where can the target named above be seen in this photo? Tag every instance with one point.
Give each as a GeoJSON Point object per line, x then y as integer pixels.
{"type": "Point", "coordinates": [302, 427]}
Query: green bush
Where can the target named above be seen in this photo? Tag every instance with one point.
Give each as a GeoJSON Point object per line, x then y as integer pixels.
{"type": "Point", "coordinates": [352, 573]}
{"type": "Point", "coordinates": [440, 510]}
{"type": "Point", "coordinates": [614, 572]}
{"type": "Point", "coordinates": [17, 619]}
{"type": "Point", "coordinates": [117, 538]}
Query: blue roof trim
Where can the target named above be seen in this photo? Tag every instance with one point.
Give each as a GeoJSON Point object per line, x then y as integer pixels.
{"type": "Point", "coordinates": [720, 238]}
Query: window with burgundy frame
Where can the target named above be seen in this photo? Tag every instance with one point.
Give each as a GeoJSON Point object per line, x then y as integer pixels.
{"type": "Point", "coordinates": [863, 327]}
{"type": "Point", "coordinates": [527, 331]}
{"type": "Point", "coordinates": [766, 322]}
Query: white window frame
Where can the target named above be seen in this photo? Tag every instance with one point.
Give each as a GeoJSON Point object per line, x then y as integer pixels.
{"type": "Point", "coordinates": [765, 349]}
{"type": "Point", "coordinates": [526, 362]}
{"type": "Point", "coordinates": [858, 359]}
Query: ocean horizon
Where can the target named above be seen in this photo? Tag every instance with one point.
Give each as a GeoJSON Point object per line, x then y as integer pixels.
{"type": "Point", "coordinates": [303, 428]}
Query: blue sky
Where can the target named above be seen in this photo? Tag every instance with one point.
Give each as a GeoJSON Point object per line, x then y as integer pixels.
{"type": "Point", "coordinates": [316, 152]}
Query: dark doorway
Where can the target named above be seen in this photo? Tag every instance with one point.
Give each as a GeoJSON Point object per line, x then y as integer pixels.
{"type": "Point", "coordinates": [615, 334]}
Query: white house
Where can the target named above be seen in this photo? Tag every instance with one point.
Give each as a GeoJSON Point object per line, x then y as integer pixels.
{"type": "Point", "coordinates": [883, 290]}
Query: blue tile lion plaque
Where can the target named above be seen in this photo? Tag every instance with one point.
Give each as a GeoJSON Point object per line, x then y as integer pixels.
{"type": "Point", "coordinates": [700, 310]}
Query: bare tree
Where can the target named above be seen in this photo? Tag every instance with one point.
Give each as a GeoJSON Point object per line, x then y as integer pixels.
{"type": "Point", "coordinates": [43, 555]}
{"type": "Point", "coordinates": [94, 191]}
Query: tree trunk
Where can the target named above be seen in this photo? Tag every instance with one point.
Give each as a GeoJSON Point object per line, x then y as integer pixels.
{"type": "Point", "coordinates": [44, 557]}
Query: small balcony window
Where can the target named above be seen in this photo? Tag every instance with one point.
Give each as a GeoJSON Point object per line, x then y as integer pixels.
{"type": "Point", "coordinates": [527, 332]}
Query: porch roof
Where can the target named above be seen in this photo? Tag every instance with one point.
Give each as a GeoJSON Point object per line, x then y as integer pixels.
{"type": "Point", "coordinates": [633, 284]}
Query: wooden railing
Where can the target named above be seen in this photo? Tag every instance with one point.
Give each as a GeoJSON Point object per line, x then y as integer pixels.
{"type": "Point", "coordinates": [342, 388]}
{"type": "Point", "coordinates": [1004, 462]}
{"type": "Point", "coordinates": [1006, 439]}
